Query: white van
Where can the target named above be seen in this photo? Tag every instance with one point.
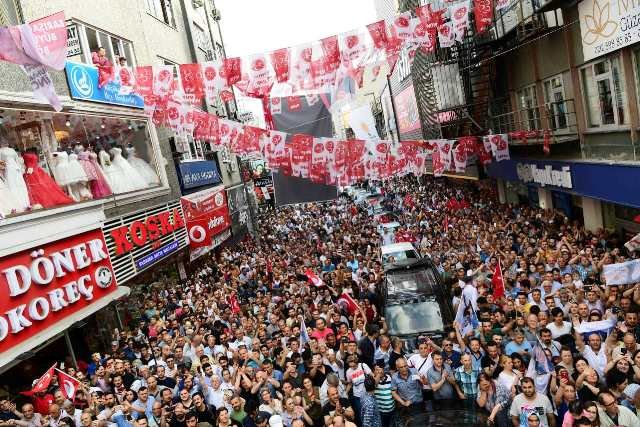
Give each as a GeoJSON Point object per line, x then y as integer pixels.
{"type": "Point", "coordinates": [398, 252]}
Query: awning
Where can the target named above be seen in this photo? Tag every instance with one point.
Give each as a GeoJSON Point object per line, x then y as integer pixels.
{"type": "Point", "coordinates": [16, 354]}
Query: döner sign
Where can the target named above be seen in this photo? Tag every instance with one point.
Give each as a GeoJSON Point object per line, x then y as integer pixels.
{"type": "Point", "coordinates": [138, 233]}
{"type": "Point", "coordinates": [45, 284]}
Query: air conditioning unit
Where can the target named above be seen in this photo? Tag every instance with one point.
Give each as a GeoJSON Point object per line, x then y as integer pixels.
{"type": "Point", "coordinates": [215, 14]}
{"type": "Point", "coordinates": [197, 3]}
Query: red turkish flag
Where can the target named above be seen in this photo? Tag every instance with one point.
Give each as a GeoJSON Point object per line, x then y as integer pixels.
{"type": "Point", "coordinates": [233, 302]}
{"type": "Point", "coordinates": [348, 303]}
{"type": "Point", "coordinates": [497, 282]}
{"type": "Point", "coordinates": [313, 278]}
{"type": "Point", "coordinates": [43, 382]}
{"type": "Point", "coordinates": [68, 385]}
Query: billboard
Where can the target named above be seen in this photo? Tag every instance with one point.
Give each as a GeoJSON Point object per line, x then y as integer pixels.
{"type": "Point", "coordinates": [407, 110]}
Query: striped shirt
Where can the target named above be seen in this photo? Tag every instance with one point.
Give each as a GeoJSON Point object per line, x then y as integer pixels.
{"type": "Point", "coordinates": [383, 395]}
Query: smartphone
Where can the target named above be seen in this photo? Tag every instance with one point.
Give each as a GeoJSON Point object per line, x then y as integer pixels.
{"type": "Point", "coordinates": [564, 375]}
{"type": "Point", "coordinates": [623, 351]}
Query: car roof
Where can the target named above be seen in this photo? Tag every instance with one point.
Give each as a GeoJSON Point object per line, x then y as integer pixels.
{"type": "Point", "coordinates": [397, 247]}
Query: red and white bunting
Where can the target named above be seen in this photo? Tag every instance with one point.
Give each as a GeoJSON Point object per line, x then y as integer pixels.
{"type": "Point", "coordinates": [460, 158]}
{"type": "Point", "coordinates": [446, 35]}
{"type": "Point", "coordinates": [500, 146]}
{"type": "Point", "coordinates": [192, 83]}
{"type": "Point", "coordinates": [460, 19]}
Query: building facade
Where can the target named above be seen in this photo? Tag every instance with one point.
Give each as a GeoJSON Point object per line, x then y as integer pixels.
{"type": "Point", "coordinates": [98, 173]}
{"type": "Point", "coordinates": [566, 93]}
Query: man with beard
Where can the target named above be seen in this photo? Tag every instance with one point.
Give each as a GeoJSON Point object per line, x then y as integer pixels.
{"type": "Point", "coordinates": [531, 402]}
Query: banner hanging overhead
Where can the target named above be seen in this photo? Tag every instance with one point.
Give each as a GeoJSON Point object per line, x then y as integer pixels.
{"type": "Point", "coordinates": [310, 119]}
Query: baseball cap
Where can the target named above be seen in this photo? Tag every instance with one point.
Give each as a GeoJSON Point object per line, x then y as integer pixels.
{"type": "Point", "coordinates": [631, 390]}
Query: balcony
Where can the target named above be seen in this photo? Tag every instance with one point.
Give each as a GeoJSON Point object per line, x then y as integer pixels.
{"type": "Point", "coordinates": [531, 123]}
{"type": "Point", "coordinates": [527, 17]}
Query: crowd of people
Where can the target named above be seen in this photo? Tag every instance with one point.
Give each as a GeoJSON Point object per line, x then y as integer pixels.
{"type": "Point", "coordinates": [249, 340]}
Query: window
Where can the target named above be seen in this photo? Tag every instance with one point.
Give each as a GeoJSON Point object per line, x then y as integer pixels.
{"type": "Point", "coordinates": [604, 92]}
{"type": "Point", "coordinates": [10, 13]}
{"type": "Point", "coordinates": [203, 42]}
{"type": "Point", "coordinates": [530, 115]}
{"type": "Point", "coordinates": [92, 39]}
{"type": "Point", "coordinates": [162, 10]}
{"type": "Point", "coordinates": [555, 102]}
{"type": "Point", "coordinates": [55, 159]}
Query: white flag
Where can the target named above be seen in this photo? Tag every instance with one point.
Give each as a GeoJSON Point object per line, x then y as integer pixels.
{"type": "Point", "coordinates": [622, 273]}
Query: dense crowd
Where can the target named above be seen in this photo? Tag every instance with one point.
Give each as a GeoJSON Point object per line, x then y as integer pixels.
{"type": "Point", "coordinates": [248, 340]}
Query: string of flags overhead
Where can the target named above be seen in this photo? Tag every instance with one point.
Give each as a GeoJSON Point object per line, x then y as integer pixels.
{"type": "Point", "coordinates": [315, 69]}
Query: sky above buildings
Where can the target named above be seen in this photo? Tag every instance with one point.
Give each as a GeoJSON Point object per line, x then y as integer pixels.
{"type": "Point", "coordinates": [253, 26]}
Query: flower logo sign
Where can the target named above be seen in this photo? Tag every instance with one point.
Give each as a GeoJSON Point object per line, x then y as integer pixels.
{"type": "Point", "coordinates": [598, 24]}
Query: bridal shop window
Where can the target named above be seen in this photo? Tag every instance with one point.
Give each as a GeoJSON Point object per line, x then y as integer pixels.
{"type": "Point", "coordinates": [55, 159]}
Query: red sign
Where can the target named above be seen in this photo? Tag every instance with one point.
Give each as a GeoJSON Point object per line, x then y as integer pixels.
{"type": "Point", "coordinates": [407, 110]}
{"type": "Point", "coordinates": [483, 11]}
{"type": "Point", "coordinates": [46, 284]}
{"type": "Point", "coordinates": [206, 215]}
{"type": "Point", "coordinates": [294, 103]}
{"type": "Point", "coordinates": [141, 232]}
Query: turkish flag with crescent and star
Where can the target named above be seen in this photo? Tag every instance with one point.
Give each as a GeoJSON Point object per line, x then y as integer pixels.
{"type": "Point", "coordinates": [43, 382]}
{"type": "Point", "coordinates": [68, 385]}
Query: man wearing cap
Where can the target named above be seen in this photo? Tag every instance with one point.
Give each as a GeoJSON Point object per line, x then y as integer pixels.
{"type": "Point", "coordinates": [631, 398]}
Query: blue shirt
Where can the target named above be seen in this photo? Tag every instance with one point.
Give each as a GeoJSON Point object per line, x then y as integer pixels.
{"type": "Point", "coordinates": [147, 411]}
{"type": "Point", "coordinates": [409, 388]}
{"type": "Point", "coordinates": [369, 413]}
{"type": "Point", "coordinates": [513, 347]}
{"type": "Point", "coordinates": [353, 265]}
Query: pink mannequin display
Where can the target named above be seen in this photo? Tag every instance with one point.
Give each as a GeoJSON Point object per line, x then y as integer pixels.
{"type": "Point", "coordinates": [97, 182]}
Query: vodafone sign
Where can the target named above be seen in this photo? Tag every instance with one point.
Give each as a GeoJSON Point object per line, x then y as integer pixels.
{"type": "Point", "coordinates": [45, 284]}
{"type": "Point", "coordinates": [206, 215]}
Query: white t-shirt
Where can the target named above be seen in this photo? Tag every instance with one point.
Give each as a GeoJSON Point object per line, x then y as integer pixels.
{"type": "Point", "coordinates": [421, 365]}
{"type": "Point", "coordinates": [596, 361]}
{"type": "Point", "coordinates": [356, 377]}
{"type": "Point", "coordinates": [557, 331]}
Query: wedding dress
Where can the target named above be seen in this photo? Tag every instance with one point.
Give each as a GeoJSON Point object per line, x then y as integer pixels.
{"type": "Point", "coordinates": [145, 170]}
{"type": "Point", "coordinates": [132, 178]}
{"type": "Point", "coordinates": [13, 178]}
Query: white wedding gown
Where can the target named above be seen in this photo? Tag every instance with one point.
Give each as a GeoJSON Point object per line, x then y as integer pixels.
{"type": "Point", "coordinates": [143, 168]}
{"type": "Point", "coordinates": [131, 178]}
{"type": "Point", "coordinates": [116, 181]}
{"type": "Point", "coordinates": [13, 179]}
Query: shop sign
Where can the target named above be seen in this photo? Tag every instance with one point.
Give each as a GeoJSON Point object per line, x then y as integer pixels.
{"type": "Point", "coordinates": [607, 25]}
{"type": "Point", "coordinates": [198, 174]}
{"type": "Point", "coordinates": [529, 172]}
{"type": "Point", "coordinates": [407, 110]}
{"type": "Point", "coordinates": [83, 85]}
{"type": "Point", "coordinates": [73, 41]}
{"type": "Point", "coordinates": [206, 216]}
{"type": "Point", "coordinates": [157, 255]}
{"type": "Point", "coordinates": [145, 230]}
{"type": "Point", "coordinates": [46, 284]}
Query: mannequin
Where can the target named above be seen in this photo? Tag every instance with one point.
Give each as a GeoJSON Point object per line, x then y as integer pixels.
{"type": "Point", "coordinates": [43, 190]}
{"type": "Point", "coordinates": [117, 183]}
{"type": "Point", "coordinates": [79, 178]}
{"type": "Point", "coordinates": [13, 176]}
{"type": "Point", "coordinates": [144, 169]}
{"type": "Point", "coordinates": [97, 182]}
{"type": "Point", "coordinates": [132, 179]}
{"type": "Point", "coordinates": [7, 202]}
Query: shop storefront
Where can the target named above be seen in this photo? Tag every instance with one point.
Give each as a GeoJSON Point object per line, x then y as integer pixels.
{"type": "Point", "coordinates": [49, 287]}
{"type": "Point", "coordinates": [601, 194]}
{"type": "Point", "coordinates": [145, 238]}
{"type": "Point", "coordinates": [207, 220]}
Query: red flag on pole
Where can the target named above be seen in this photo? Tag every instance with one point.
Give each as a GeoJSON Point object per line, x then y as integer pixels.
{"type": "Point", "coordinates": [313, 278]}
{"type": "Point", "coordinates": [68, 385]}
{"type": "Point", "coordinates": [497, 282]}
{"type": "Point", "coordinates": [43, 382]}
{"type": "Point", "coordinates": [348, 303]}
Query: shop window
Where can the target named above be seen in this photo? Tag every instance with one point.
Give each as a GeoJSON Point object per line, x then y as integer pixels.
{"type": "Point", "coordinates": [528, 102]}
{"type": "Point", "coordinates": [604, 92]}
{"type": "Point", "coordinates": [53, 159]}
{"type": "Point", "coordinates": [92, 39]}
{"type": "Point", "coordinates": [555, 102]}
{"type": "Point", "coordinates": [162, 10]}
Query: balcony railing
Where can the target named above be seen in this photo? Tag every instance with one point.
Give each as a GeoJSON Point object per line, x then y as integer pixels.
{"type": "Point", "coordinates": [559, 117]}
